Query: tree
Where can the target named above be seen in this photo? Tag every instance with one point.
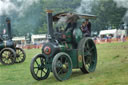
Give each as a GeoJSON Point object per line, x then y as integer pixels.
{"type": "Point", "coordinates": [108, 15]}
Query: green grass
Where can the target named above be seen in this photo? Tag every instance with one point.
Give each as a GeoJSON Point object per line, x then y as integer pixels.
{"type": "Point", "coordinates": [112, 69]}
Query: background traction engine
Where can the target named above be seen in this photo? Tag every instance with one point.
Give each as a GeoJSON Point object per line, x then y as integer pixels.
{"type": "Point", "coordinates": [62, 53]}
{"type": "Point", "coordinates": [9, 53]}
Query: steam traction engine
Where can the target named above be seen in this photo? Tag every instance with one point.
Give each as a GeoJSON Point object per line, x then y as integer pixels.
{"type": "Point", "coordinates": [64, 51]}
{"type": "Point", "coordinates": [9, 53]}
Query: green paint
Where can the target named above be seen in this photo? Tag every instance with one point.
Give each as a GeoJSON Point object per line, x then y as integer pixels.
{"type": "Point", "coordinates": [73, 55]}
{"type": "Point", "coordinates": [68, 36]}
{"type": "Point", "coordinates": [2, 45]}
{"type": "Point", "coordinates": [78, 35]}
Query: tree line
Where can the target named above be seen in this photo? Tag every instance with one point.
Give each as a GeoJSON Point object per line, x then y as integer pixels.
{"type": "Point", "coordinates": [34, 19]}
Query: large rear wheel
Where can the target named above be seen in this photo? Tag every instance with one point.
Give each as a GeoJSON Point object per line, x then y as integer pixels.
{"type": "Point", "coordinates": [62, 66]}
{"type": "Point", "coordinates": [7, 56]}
{"type": "Point", "coordinates": [89, 55]}
{"type": "Point", "coordinates": [38, 67]}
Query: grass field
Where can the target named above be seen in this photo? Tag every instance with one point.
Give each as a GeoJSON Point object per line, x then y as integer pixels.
{"type": "Point", "coordinates": [112, 69]}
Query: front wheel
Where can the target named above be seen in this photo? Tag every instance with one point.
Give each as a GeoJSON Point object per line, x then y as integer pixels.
{"type": "Point", "coordinates": [7, 56]}
{"type": "Point", "coordinates": [62, 66]}
{"type": "Point", "coordinates": [38, 67]}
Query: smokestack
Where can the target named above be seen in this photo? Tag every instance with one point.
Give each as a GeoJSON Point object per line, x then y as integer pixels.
{"type": "Point", "coordinates": [50, 23]}
{"type": "Point", "coordinates": [8, 21]}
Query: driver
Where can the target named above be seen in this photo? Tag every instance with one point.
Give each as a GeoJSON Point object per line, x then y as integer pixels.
{"type": "Point", "coordinates": [71, 25]}
{"type": "Point", "coordinates": [71, 22]}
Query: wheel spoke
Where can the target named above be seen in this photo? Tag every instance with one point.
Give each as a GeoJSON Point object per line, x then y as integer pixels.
{"type": "Point", "coordinates": [17, 51]}
{"type": "Point", "coordinates": [35, 67]}
{"type": "Point", "coordinates": [88, 46]}
{"type": "Point", "coordinates": [59, 72]}
{"type": "Point", "coordinates": [85, 53]}
{"type": "Point", "coordinates": [17, 59]}
{"type": "Point", "coordinates": [44, 71]}
{"type": "Point", "coordinates": [37, 72]}
{"type": "Point", "coordinates": [20, 53]}
{"type": "Point", "coordinates": [5, 54]}
{"type": "Point", "coordinates": [41, 73]}
{"type": "Point", "coordinates": [93, 62]}
{"type": "Point", "coordinates": [65, 61]}
{"type": "Point", "coordinates": [61, 59]}
{"type": "Point", "coordinates": [4, 59]}
{"type": "Point", "coordinates": [88, 66]}
{"type": "Point", "coordinates": [37, 63]}
{"type": "Point", "coordinates": [42, 61]}
{"type": "Point", "coordinates": [91, 49]}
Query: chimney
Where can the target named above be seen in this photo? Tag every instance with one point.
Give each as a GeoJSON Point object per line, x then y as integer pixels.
{"type": "Point", "coordinates": [8, 21]}
{"type": "Point", "coordinates": [50, 23]}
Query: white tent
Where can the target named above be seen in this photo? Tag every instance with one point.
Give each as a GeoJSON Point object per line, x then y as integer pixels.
{"type": "Point", "coordinates": [38, 38]}
{"type": "Point", "coordinates": [114, 33]}
{"type": "Point", "coordinates": [19, 40]}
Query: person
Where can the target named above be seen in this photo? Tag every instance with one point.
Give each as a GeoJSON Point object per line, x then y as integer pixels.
{"type": "Point", "coordinates": [86, 28]}
{"type": "Point", "coordinates": [83, 27]}
{"type": "Point", "coordinates": [71, 22]}
{"type": "Point", "coordinates": [71, 25]}
{"type": "Point", "coordinates": [123, 38]}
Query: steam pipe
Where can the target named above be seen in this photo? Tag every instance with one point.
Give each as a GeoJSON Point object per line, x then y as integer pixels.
{"type": "Point", "coordinates": [50, 23]}
{"type": "Point", "coordinates": [8, 21]}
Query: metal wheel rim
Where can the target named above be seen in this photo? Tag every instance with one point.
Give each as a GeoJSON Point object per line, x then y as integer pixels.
{"type": "Point", "coordinates": [90, 55]}
{"type": "Point", "coordinates": [7, 57]}
{"type": "Point", "coordinates": [38, 68]}
{"type": "Point", "coordinates": [62, 69]}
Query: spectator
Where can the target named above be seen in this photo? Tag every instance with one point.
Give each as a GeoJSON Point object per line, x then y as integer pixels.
{"type": "Point", "coordinates": [86, 28]}
{"type": "Point", "coordinates": [123, 38]}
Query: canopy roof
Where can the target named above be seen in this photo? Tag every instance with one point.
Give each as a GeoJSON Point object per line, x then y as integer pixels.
{"type": "Point", "coordinates": [70, 15]}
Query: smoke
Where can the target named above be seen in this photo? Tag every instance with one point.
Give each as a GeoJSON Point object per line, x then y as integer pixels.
{"type": "Point", "coordinates": [6, 6]}
{"type": "Point", "coordinates": [25, 15]}
{"type": "Point", "coordinates": [85, 6]}
{"type": "Point", "coordinates": [62, 20]}
{"type": "Point", "coordinates": [124, 4]}
{"type": "Point", "coordinates": [25, 5]}
{"type": "Point", "coordinates": [18, 6]}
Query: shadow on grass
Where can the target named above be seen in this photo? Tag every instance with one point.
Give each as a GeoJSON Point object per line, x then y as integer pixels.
{"type": "Point", "coordinates": [117, 56]}
{"type": "Point", "coordinates": [52, 80]}
{"type": "Point", "coordinates": [1, 65]}
{"type": "Point", "coordinates": [76, 73]}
